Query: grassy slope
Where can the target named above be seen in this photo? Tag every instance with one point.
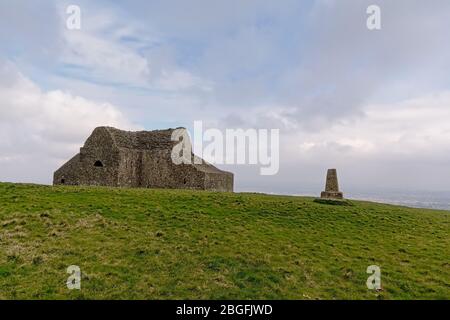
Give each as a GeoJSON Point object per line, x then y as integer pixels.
{"type": "Point", "coordinates": [168, 244]}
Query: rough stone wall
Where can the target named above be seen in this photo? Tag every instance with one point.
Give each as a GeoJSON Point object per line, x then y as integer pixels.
{"type": "Point", "coordinates": [69, 173]}
{"type": "Point", "coordinates": [129, 168]}
{"type": "Point", "coordinates": [219, 182]}
{"type": "Point", "coordinates": [154, 169]}
{"type": "Point", "coordinates": [160, 171]}
{"type": "Point", "coordinates": [332, 181]}
{"type": "Point", "coordinates": [137, 160]}
{"type": "Point", "coordinates": [82, 169]}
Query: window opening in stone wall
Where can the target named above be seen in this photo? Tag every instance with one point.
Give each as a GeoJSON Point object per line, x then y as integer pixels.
{"type": "Point", "coordinates": [98, 164]}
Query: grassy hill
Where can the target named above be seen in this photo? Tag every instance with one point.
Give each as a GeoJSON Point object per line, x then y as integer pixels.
{"type": "Point", "coordinates": [172, 244]}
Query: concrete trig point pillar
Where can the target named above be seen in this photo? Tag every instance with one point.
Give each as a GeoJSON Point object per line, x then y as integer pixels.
{"type": "Point", "coordinates": [332, 186]}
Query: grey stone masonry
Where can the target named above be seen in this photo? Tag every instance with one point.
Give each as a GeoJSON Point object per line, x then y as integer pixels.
{"type": "Point", "coordinates": [332, 186]}
{"type": "Point", "coordinates": [116, 158]}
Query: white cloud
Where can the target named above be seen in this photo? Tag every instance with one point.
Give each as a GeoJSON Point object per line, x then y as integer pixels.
{"type": "Point", "coordinates": [107, 50]}
{"type": "Point", "coordinates": [180, 80]}
{"type": "Point", "coordinates": [39, 130]}
{"type": "Point", "coordinates": [417, 126]}
{"type": "Point", "coordinates": [100, 55]}
{"type": "Point", "coordinates": [402, 145]}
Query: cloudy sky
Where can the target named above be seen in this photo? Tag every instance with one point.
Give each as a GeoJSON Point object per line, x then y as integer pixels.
{"type": "Point", "coordinates": [374, 104]}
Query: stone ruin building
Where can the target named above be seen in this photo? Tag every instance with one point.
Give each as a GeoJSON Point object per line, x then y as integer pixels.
{"type": "Point", "coordinates": [332, 186]}
{"type": "Point", "coordinates": [116, 158]}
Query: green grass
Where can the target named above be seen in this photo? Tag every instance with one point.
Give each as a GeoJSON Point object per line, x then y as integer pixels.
{"type": "Point", "coordinates": [172, 244]}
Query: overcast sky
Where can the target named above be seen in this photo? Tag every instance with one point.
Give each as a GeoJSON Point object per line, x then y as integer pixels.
{"type": "Point", "coordinates": [373, 104]}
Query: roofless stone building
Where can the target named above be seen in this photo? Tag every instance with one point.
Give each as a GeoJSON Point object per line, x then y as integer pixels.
{"type": "Point", "coordinates": [116, 158]}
